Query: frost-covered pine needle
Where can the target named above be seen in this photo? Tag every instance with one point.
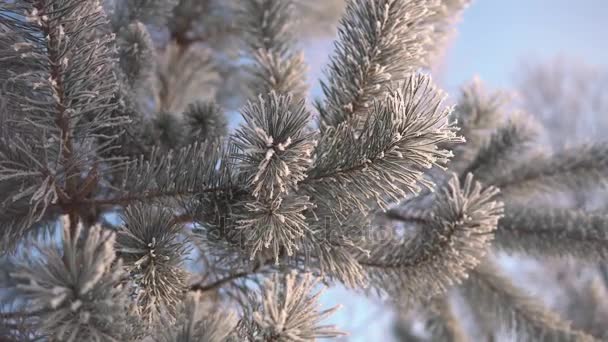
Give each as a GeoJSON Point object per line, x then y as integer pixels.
{"type": "Point", "coordinates": [76, 288]}
{"type": "Point", "coordinates": [289, 311]}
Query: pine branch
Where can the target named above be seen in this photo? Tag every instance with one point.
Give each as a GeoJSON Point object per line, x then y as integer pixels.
{"type": "Point", "coordinates": [386, 159]}
{"type": "Point", "coordinates": [410, 215]}
{"type": "Point", "coordinates": [275, 227]}
{"type": "Point", "coordinates": [445, 13]}
{"type": "Point", "coordinates": [573, 168]}
{"type": "Point", "coordinates": [543, 232]}
{"type": "Point", "coordinates": [17, 225]}
{"type": "Point", "coordinates": [378, 43]}
{"type": "Point", "coordinates": [186, 172]}
{"type": "Point", "coordinates": [289, 312]}
{"type": "Point", "coordinates": [29, 188]}
{"type": "Point", "coordinates": [62, 87]}
{"type": "Point", "coordinates": [196, 322]}
{"type": "Point", "coordinates": [553, 233]}
{"type": "Point", "coordinates": [274, 145]}
{"type": "Point", "coordinates": [146, 196]}
{"type": "Point", "coordinates": [153, 254]}
{"type": "Point", "coordinates": [80, 84]}
{"type": "Point", "coordinates": [276, 195]}
{"type": "Point", "coordinates": [18, 330]}
{"type": "Point", "coordinates": [205, 121]}
{"type": "Point", "coordinates": [136, 66]}
{"type": "Point", "coordinates": [273, 149]}
{"type": "Point", "coordinates": [478, 111]}
{"type": "Point", "coordinates": [216, 285]}
{"type": "Point", "coordinates": [507, 307]}
{"type": "Point", "coordinates": [166, 131]}
{"type": "Point", "coordinates": [136, 54]}
{"type": "Point", "coordinates": [74, 282]}
{"type": "Point", "coordinates": [442, 253]}
{"type": "Point", "coordinates": [205, 31]}
{"type": "Point", "coordinates": [443, 325]}
{"type": "Point", "coordinates": [333, 250]}
{"type": "Point", "coordinates": [127, 140]}
{"type": "Point", "coordinates": [182, 74]}
{"type": "Point", "coordinates": [505, 145]}
{"type": "Point", "coordinates": [587, 306]}
{"type": "Point", "coordinates": [270, 39]}
{"type": "Point", "coordinates": [17, 322]}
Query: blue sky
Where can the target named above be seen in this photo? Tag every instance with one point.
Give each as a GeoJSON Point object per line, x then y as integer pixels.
{"type": "Point", "coordinates": [495, 36]}
{"type": "Point", "coordinates": [493, 39]}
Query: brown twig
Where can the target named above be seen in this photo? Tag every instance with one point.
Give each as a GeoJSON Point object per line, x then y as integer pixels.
{"type": "Point", "coordinates": [221, 282]}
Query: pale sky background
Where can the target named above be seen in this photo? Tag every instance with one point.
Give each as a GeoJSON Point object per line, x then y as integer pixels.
{"type": "Point", "coordinates": [494, 37]}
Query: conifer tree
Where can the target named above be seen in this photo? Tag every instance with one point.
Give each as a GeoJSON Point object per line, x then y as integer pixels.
{"type": "Point", "coordinates": [503, 151]}
{"type": "Point", "coordinates": [113, 136]}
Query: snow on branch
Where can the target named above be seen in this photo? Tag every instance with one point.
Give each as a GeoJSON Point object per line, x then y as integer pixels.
{"type": "Point", "coordinates": [271, 43]}
{"type": "Point", "coordinates": [553, 233]}
{"type": "Point", "coordinates": [196, 321]}
{"type": "Point", "coordinates": [289, 311]}
{"type": "Point", "coordinates": [386, 159]}
{"type": "Point", "coordinates": [379, 43]}
{"type": "Point", "coordinates": [75, 287]}
{"type": "Point", "coordinates": [443, 252]}
{"type": "Point", "coordinates": [520, 315]}
{"type": "Point", "coordinates": [153, 253]}
{"type": "Point", "coordinates": [576, 167]}
{"type": "Point", "coordinates": [274, 145]}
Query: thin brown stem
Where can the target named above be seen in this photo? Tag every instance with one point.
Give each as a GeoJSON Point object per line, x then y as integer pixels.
{"type": "Point", "coordinates": [221, 282]}
{"type": "Point", "coordinates": [182, 219]}
{"type": "Point", "coordinates": [62, 117]}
